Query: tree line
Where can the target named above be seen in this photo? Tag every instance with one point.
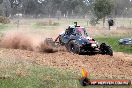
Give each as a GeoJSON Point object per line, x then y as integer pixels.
{"type": "Point", "coordinates": [45, 7]}
{"type": "Point", "coordinates": [66, 8]}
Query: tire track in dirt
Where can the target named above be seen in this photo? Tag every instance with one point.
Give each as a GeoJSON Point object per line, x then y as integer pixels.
{"type": "Point", "coordinates": [100, 66]}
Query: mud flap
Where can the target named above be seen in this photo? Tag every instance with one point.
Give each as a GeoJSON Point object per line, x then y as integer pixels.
{"type": "Point", "coordinates": [49, 41]}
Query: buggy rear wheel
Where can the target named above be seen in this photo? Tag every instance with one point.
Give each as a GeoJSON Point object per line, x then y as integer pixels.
{"type": "Point", "coordinates": [49, 41]}
{"type": "Point", "coordinates": [110, 51]}
{"type": "Point", "coordinates": [105, 49]}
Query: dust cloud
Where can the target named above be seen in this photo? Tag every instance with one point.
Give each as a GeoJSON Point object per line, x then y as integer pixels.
{"type": "Point", "coordinates": [26, 41]}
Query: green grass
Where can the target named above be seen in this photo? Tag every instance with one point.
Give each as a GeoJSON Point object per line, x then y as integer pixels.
{"type": "Point", "coordinates": [113, 41]}
{"type": "Point", "coordinates": [6, 27]}
{"type": "Point", "coordinates": [41, 77]}
{"type": "Point", "coordinates": [3, 26]}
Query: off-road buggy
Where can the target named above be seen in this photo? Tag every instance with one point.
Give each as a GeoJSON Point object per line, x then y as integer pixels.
{"type": "Point", "coordinates": [126, 41]}
{"type": "Point", "coordinates": [77, 40]}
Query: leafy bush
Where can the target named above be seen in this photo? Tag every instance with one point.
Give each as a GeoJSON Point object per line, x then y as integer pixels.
{"type": "Point", "coordinates": [4, 20]}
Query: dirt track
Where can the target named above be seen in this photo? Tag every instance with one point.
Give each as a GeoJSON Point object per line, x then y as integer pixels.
{"type": "Point", "coordinates": [118, 66]}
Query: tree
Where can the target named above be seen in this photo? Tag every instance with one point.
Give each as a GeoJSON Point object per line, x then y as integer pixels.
{"type": "Point", "coordinates": [1, 8]}
{"type": "Point", "coordinates": [15, 6]}
{"type": "Point", "coordinates": [6, 8]}
{"type": "Point", "coordinates": [1, 1]}
{"type": "Point", "coordinates": [102, 8]}
{"type": "Point", "coordinates": [47, 7]}
{"type": "Point", "coordinates": [121, 6]}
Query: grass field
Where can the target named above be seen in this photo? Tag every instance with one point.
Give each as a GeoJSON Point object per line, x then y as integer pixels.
{"type": "Point", "coordinates": [3, 26]}
{"type": "Point", "coordinates": [40, 77]}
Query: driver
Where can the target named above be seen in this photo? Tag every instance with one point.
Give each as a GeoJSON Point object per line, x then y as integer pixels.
{"type": "Point", "coordinates": [68, 31]}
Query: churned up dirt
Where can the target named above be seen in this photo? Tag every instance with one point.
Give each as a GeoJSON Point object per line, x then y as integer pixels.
{"type": "Point", "coordinates": [26, 41]}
